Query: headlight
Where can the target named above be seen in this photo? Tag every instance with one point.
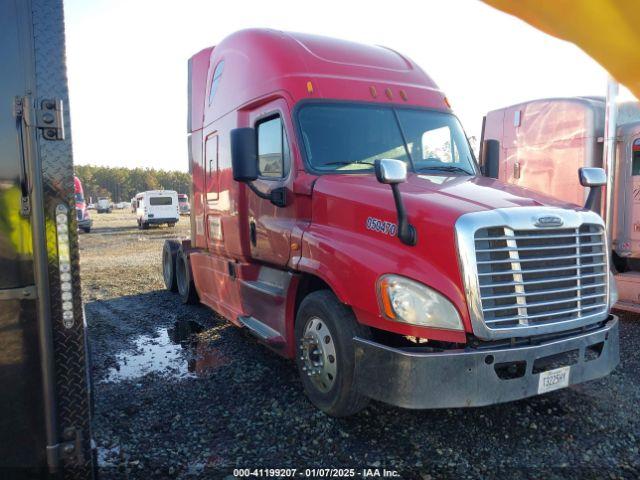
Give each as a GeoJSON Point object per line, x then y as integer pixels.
{"type": "Point", "coordinates": [411, 302]}
{"type": "Point", "coordinates": [613, 290]}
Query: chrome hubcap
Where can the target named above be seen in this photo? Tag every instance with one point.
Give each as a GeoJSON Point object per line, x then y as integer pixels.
{"type": "Point", "coordinates": [318, 354]}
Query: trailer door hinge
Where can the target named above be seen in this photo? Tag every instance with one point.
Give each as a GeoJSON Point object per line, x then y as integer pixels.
{"type": "Point", "coordinates": [49, 117]}
{"type": "Point", "coordinates": [69, 450]}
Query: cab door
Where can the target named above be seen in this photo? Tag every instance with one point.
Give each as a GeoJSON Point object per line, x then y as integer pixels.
{"type": "Point", "coordinates": [270, 226]}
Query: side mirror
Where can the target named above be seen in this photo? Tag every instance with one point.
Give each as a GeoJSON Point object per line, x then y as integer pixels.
{"type": "Point", "coordinates": [394, 172]}
{"type": "Point", "coordinates": [491, 158]}
{"type": "Point", "coordinates": [244, 154]}
{"type": "Point", "coordinates": [244, 165]}
{"type": "Point", "coordinates": [390, 171]}
{"type": "Point", "coordinates": [594, 178]}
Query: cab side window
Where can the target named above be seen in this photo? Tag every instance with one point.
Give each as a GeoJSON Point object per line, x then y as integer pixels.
{"type": "Point", "coordinates": [635, 166]}
{"type": "Point", "coordinates": [273, 148]}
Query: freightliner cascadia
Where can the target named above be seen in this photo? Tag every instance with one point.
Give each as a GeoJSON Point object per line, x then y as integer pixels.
{"type": "Point", "coordinates": [339, 215]}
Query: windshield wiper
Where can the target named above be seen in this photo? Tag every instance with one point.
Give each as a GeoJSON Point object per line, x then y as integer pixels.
{"type": "Point", "coordinates": [343, 162]}
{"type": "Point", "coordinates": [447, 168]}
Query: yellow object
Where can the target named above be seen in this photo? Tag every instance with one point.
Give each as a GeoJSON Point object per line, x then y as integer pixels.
{"type": "Point", "coordinates": [607, 30]}
{"type": "Point", "coordinates": [309, 87]}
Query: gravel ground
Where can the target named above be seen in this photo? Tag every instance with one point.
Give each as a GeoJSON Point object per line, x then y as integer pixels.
{"type": "Point", "coordinates": [179, 394]}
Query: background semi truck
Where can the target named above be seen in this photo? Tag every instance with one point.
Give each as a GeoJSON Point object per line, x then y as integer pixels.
{"type": "Point", "coordinates": [338, 215]}
{"type": "Point", "coordinates": [44, 398]}
{"type": "Point", "coordinates": [541, 143]}
{"type": "Point", "coordinates": [82, 212]}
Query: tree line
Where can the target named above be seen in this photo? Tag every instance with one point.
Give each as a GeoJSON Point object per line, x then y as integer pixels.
{"type": "Point", "coordinates": [121, 184]}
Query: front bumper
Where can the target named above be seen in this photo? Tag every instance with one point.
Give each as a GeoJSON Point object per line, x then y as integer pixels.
{"type": "Point", "coordinates": [465, 378]}
{"type": "Point", "coordinates": [86, 223]}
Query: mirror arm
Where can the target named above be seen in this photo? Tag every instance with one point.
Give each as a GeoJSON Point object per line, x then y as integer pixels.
{"type": "Point", "coordinates": [277, 196]}
{"type": "Point", "coordinates": [592, 198]}
{"type": "Point", "coordinates": [406, 232]}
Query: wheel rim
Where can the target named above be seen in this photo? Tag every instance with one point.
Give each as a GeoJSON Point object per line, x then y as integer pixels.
{"type": "Point", "coordinates": [166, 260]}
{"type": "Point", "coordinates": [318, 354]}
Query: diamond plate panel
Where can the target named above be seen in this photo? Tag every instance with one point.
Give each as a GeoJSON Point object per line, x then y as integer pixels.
{"type": "Point", "coordinates": [72, 381]}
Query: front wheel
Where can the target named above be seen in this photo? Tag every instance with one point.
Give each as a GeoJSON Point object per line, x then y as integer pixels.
{"type": "Point", "coordinates": [325, 353]}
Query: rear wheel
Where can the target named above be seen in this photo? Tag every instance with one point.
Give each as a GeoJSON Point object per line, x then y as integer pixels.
{"type": "Point", "coordinates": [184, 279]}
{"type": "Point", "coordinates": [145, 225]}
{"type": "Point", "coordinates": [171, 225]}
{"type": "Point", "coordinates": [325, 353]}
{"type": "Point", "coordinates": [86, 229]}
{"type": "Point", "coordinates": [169, 254]}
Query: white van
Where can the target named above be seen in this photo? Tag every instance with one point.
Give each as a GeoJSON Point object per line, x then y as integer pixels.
{"type": "Point", "coordinates": [104, 205]}
{"type": "Point", "coordinates": [156, 207]}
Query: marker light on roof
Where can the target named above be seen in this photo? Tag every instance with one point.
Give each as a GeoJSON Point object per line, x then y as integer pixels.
{"type": "Point", "coordinates": [374, 92]}
{"type": "Point", "coordinates": [64, 264]}
{"type": "Point", "coordinates": [309, 87]}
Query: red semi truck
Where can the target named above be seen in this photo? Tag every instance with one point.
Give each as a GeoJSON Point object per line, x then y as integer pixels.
{"type": "Point", "coordinates": [338, 214]}
{"type": "Point", "coordinates": [84, 219]}
{"type": "Point", "coordinates": [539, 144]}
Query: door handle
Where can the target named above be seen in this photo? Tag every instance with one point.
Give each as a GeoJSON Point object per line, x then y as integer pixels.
{"type": "Point", "coordinates": [252, 233]}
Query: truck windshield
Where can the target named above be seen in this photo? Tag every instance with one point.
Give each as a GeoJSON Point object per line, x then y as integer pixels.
{"type": "Point", "coordinates": [349, 138]}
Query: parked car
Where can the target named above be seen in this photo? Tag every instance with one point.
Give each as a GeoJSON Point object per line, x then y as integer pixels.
{"type": "Point", "coordinates": [340, 217]}
{"type": "Point", "coordinates": [82, 212]}
{"type": "Point", "coordinates": [156, 207]}
{"type": "Point", "coordinates": [104, 205]}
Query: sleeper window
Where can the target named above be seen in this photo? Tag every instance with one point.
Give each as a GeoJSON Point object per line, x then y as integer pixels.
{"type": "Point", "coordinates": [215, 81]}
{"type": "Point", "coordinates": [273, 149]}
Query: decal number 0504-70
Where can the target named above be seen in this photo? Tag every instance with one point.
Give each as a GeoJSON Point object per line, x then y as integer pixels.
{"type": "Point", "coordinates": [381, 226]}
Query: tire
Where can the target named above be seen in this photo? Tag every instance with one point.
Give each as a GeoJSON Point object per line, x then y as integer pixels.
{"type": "Point", "coordinates": [321, 312]}
{"type": "Point", "coordinates": [171, 225]}
{"type": "Point", "coordinates": [86, 229]}
{"type": "Point", "coordinates": [145, 225]}
{"type": "Point", "coordinates": [169, 253]}
{"type": "Point", "coordinates": [621, 264]}
{"type": "Point", "coordinates": [184, 279]}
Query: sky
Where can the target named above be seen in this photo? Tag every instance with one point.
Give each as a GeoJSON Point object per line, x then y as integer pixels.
{"type": "Point", "coordinates": [127, 62]}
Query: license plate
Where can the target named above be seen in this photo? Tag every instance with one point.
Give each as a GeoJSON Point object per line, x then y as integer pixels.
{"type": "Point", "coordinates": [553, 379]}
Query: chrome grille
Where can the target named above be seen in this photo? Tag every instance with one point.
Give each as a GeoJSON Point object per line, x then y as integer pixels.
{"type": "Point", "coordinates": [542, 276]}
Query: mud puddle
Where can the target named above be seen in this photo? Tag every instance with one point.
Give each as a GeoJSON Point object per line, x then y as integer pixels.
{"type": "Point", "coordinates": [174, 352]}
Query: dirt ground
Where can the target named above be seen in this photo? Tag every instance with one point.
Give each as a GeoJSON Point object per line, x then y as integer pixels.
{"type": "Point", "coordinates": [180, 394]}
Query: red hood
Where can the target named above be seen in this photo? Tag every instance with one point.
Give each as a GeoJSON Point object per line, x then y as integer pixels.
{"type": "Point", "coordinates": [434, 197]}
